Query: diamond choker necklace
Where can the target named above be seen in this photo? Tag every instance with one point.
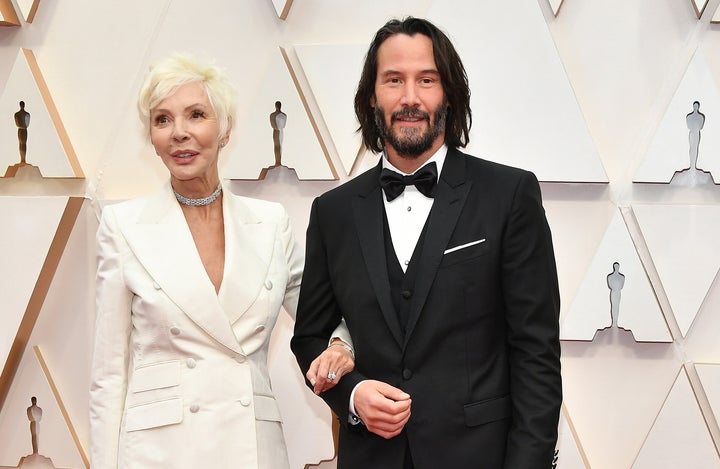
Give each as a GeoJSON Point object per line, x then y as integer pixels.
{"type": "Point", "coordinates": [199, 202]}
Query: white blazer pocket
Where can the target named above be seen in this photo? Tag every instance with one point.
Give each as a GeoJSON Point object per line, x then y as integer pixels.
{"type": "Point", "coordinates": [154, 414]}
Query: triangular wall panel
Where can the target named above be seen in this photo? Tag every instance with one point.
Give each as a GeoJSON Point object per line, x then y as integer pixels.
{"type": "Point", "coordinates": [637, 309]}
{"type": "Point", "coordinates": [535, 124]}
{"type": "Point", "coordinates": [301, 147]}
{"type": "Point", "coordinates": [48, 145]}
{"type": "Point", "coordinates": [669, 150]}
{"type": "Point", "coordinates": [679, 436]}
{"type": "Point", "coordinates": [54, 436]}
{"type": "Point", "coordinates": [568, 454]}
{"type": "Point", "coordinates": [555, 5]}
{"type": "Point", "coordinates": [682, 240]}
{"type": "Point", "coordinates": [335, 92]}
{"type": "Point", "coordinates": [8, 15]}
{"type": "Point", "coordinates": [24, 250]}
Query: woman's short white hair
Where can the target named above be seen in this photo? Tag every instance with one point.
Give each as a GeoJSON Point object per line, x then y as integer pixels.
{"type": "Point", "coordinates": [179, 69]}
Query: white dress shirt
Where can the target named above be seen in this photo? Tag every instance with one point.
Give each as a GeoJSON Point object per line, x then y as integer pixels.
{"type": "Point", "coordinates": [406, 216]}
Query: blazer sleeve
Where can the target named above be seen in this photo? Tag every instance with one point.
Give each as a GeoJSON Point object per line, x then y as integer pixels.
{"type": "Point", "coordinates": [532, 302]}
{"type": "Point", "coordinates": [112, 333]}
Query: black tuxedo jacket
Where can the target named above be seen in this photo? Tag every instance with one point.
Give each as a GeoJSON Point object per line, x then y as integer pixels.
{"type": "Point", "coordinates": [481, 355]}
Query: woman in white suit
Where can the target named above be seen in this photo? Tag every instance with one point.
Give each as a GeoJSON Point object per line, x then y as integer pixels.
{"type": "Point", "coordinates": [190, 282]}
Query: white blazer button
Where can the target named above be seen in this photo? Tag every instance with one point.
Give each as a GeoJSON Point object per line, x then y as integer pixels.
{"type": "Point", "coordinates": [259, 328]}
{"type": "Point", "coordinates": [268, 284]}
{"type": "Point", "coordinates": [191, 363]}
{"type": "Point", "coordinates": [175, 330]}
{"type": "Point", "coordinates": [245, 401]}
{"type": "Point", "coordinates": [240, 359]}
{"type": "Point", "coordinates": [156, 286]}
{"type": "Point", "coordinates": [194, 408]}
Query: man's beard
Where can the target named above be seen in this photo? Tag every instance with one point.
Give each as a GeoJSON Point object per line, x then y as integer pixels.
{"type": "Point", "coordinates": [411, 142]}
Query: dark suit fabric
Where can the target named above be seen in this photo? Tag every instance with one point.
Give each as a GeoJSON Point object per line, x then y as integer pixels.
{"type": "Point", "coordinates": [480, 356]}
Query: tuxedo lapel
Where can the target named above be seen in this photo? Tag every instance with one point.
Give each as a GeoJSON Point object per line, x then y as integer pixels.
{"type": "Point", "coordinates": [161, 241]}
{"type": "Point", "coordinates": [368, 211]}
{"type": "Point", "coordinates": [450, 195]}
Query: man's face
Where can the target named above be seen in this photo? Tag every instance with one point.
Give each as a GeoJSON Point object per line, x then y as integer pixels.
{"type": "Point", "coordinates": [409, 101]}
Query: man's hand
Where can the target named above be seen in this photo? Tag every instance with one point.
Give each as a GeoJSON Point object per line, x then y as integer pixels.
{"type": "Point", "coordinates": [383, 409]}
{"type": "Point", "coordinates": [335, 359]}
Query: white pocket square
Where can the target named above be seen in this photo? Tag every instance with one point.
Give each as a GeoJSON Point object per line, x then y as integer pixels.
{"type": "Point", "coordinates": [463, 246]}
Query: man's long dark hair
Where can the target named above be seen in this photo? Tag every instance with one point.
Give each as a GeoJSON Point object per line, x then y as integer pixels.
{"type": "Point", "coordinates": [452, 76]}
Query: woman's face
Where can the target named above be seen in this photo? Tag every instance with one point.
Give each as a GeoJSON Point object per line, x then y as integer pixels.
{"type": "Point", "coordinates": [185, 133]}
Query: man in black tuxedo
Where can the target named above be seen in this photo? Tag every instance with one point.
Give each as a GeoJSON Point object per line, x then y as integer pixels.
{"type": "Point", "coordinates": [448, 285]}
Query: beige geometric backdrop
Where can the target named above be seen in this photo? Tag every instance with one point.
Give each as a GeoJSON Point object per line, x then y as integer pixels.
{"type": "Point", "coordinates": [597, 101]}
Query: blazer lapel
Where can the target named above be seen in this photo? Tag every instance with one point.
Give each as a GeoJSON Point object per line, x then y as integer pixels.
{"type": "Point", "coordinates": [248, 251]}
{"type": "Point", "coordinates": [368, 210]}
{"type": "Point", "coordinates": [163, 244]}
{"type": "Point", "coordinates": [450, 196]}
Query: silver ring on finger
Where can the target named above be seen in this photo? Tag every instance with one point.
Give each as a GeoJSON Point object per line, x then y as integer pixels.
{"type": "Point", "coordinates": [332, 375]}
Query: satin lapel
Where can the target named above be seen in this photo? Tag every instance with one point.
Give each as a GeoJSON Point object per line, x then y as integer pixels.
{"type": "Point", "coordinates": [368, 210]}
{"type": "Point", "coordinates": [450, 196]}
{"type": "Point", "coordinates": [163, 244]}
{"type": "Point", "coordinates": [248, 251]}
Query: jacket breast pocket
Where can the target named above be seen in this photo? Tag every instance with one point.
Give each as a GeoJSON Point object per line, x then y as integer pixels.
{"type": "Point", "coordinates": [489, 410]}
{"type": "Point", "coordinates": [154, 414]}
{"type": "Point", "coordinates": [464, 252]}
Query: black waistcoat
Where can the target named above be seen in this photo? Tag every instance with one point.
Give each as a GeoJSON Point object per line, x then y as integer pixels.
{"type": "Point", "coordinates": [402, 284]}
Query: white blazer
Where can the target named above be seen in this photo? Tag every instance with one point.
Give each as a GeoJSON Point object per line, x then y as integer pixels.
{"type": "Point", "coordinates": [179, 375]}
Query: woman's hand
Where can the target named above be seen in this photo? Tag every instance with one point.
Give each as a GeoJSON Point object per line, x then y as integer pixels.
{"type": "Point", "coordinates": [327, 369]}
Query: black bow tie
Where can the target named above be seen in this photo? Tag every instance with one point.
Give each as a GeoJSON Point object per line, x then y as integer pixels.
{"type": "Point", "coordinates": [425, 180]}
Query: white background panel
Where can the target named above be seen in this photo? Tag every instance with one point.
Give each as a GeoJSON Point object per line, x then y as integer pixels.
{"type": "Point", "coordinates": [335, 92]}
{"type": "Point", "coordinates": [54, 438]}
{"type": "Point", "coordinates": [669, 150]}
{"type": "Point", "coordinates": [253, 149]}
{"type": "Point", "coordinates": [24, 247]}
{"type": "Point", "coordinates": [681, 422]}
{"type": "Point", "coordinates": [615, 390]}
{"type": "Point", "coordinates": [44, 148]}
{"type": "Point", "coordinates": [569, 456]}
{"type": "Point", "coordinates": [682, 240]}
{"type": "Point", "coordinates": [639, 311]}
{"type": "Point", "coordinates": [511, 122]}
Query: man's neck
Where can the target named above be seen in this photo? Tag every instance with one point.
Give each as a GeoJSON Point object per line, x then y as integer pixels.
{"type": "Point", "coordinates": [409, 165]}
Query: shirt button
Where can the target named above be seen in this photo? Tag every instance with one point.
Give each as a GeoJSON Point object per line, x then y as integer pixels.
{"type": "Point", "coordinates": [409, 209]}
{"type": "Point", "coordinates": [268, 285]}
{"type": "Point", "coordinates": [259, 328]}
{"type": "Point", "coordinates": [194, 408]}
{"type": "Point", "coordinates": [406, 262]}
{"type": "Point", "coordinates": [406, 294]}
{"type": "Point", "coordinates": [191, 363]}
{"type": "Point", "coordinates": [156, 286]}
{"type": "Point", "coordinates": [240, 359]}
{"type": "Point", "coordinates": [406, 374]}
{"type": "Point", "coordinates": [175, 330]}
{"type": "Point", "coordinates": [245, 401]}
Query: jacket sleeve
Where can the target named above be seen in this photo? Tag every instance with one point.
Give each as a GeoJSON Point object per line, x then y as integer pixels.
{"type": "Point", "coordinates": [294, 258]}
{"type": "Point", "coordinates": [319, 317]}
{"type": "Point", "coordinates": [532, 304]}
{"type": "Point", "coordinates": [112, 333]}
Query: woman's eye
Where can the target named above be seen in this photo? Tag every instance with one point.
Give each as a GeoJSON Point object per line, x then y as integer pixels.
{"type": "Point", "coordinates": [161, 120]}
{"type": "Point", "coordinates": [197, 114]}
